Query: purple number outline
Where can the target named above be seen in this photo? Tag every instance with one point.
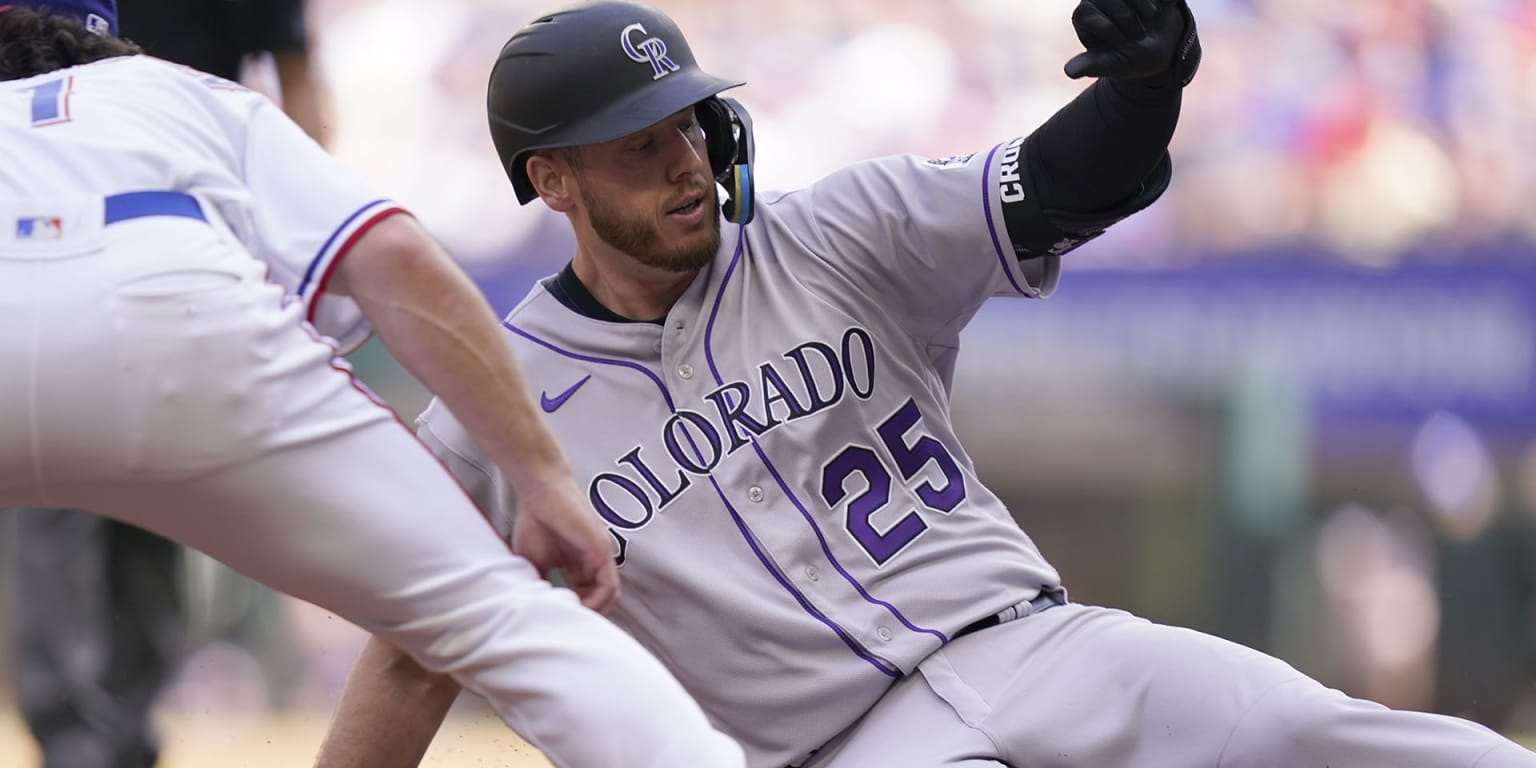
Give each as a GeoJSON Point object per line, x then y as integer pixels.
{"type": "Point", "coordinates": [910, 459]}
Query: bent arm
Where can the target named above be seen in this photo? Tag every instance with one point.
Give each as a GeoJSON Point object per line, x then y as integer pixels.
{"type": "Point", "coordinates": [439, 327]}
{"type": "Point", "coordinates": [388, 713]}
{"type": "Point", "coordinates": [436, 323]}
{"type": "Point", "coordinates": [1099, 159]}
{"type": "Point", "coordinates": [1099, 150]}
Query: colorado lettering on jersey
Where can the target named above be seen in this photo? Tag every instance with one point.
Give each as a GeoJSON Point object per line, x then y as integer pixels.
{"type": "Point", "coordinates": [809, 379]}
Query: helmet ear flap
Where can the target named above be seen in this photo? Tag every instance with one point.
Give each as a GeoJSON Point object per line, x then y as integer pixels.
{"type": "Point", "coordinates": [728, 137]}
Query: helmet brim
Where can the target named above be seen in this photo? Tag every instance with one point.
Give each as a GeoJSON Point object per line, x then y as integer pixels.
{"type": "Point", "coordinates": [676, 92]}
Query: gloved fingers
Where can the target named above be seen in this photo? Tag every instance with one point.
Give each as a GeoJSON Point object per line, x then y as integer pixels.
{"type": "Point", "coordinates": [1126, 19]}
{"type": "Point", "coordinates": [1094, 29]}
{"type": "Point", "coordinates": [1091, 64]}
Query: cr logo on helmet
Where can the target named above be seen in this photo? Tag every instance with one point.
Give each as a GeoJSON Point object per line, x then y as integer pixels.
{"type": "Point", "coordinates": [651, 49]}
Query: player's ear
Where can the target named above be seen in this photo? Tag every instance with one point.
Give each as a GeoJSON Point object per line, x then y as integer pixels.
{"type": "Point", "coordinates": [553, 179]}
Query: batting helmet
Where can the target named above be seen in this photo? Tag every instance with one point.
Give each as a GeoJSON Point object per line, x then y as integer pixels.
{"type": "Point", "coordinates": [597, 71]}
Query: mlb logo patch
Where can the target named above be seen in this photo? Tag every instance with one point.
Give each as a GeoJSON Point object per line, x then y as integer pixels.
{"type": "Point", "coordinates": [98, 25]}
{"type": "Point", "coordinates": [39, 228]}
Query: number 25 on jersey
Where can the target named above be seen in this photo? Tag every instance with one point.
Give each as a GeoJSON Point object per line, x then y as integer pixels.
{"type": "Point", "coordinates": [909, 460]}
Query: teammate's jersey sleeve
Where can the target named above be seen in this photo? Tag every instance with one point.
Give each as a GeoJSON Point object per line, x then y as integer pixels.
{"type": "Point", "coordinates": [927, 238]}
{"type": "Point", "coordinates": [307, 211]}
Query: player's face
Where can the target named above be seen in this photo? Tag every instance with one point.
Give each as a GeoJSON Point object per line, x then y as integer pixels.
{"type": "Point", "coordinates": [651, 194]}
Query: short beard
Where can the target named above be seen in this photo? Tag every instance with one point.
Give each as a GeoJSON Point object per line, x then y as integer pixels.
{"type": "Point", "coordinates": [644, 244]}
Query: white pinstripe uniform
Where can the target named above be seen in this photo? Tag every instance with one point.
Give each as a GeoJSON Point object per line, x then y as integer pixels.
{"type": "Point", "coordinates": [155, 372]}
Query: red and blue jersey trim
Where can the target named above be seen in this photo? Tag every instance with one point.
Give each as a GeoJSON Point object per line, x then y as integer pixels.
{"type": "Point", "coordinates": [323, 265]}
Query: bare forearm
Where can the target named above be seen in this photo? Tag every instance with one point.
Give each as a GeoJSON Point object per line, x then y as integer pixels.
{"type": "Point", "coordinates": [435, 322]}
{"type": "Point", "coordinates": [388, 713]}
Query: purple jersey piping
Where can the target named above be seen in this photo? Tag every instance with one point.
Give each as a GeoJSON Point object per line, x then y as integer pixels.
{"type": "Point", "coordinates": [821, 538]}
{"type": "Point", "coordinates": [309, 273]}
{"type": "Point", "coordinates": [599, 360]}
{"type": "Point", "coordinates": [740, 524]}
{"type": "Point", "coordinates": [805, 605]}
{"type": "Point", "coordinates": [986, 205]}
{"type": "Point", "coordinates": [826, 550]}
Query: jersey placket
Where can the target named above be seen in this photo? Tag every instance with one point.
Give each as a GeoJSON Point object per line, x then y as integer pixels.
{"type": "Point", "coordinates": [772, 518]}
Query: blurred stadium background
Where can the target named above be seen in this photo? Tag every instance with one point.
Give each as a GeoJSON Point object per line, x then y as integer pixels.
{"type": "Point", "coordinates": [1294, 403]}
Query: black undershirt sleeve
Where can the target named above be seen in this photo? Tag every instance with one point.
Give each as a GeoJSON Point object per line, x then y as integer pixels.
{"type": "Point", "coordinates": [1097, 153]}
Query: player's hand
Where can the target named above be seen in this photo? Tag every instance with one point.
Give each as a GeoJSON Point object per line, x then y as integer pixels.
{"type": "Point", "coordinates": [556, 528]}
{"type": "Point", "coordinates": [1134, 39]}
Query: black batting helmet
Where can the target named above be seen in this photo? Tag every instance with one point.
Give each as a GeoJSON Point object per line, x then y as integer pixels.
{"type": "Point", "coordinates": [597, 71]}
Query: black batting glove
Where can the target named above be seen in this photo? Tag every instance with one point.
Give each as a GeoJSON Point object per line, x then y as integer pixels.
{"type": "Point", "coordinates": [1132, 39]}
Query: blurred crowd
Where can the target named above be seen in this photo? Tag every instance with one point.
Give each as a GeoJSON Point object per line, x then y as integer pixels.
{"type": "Point", "coordinates": [1369, 133]}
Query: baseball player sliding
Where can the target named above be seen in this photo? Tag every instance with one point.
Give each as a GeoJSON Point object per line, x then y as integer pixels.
{"type": "Point", "coordinates": [755, 399]}
{"type": "Point", "coordinates": [155, 375]}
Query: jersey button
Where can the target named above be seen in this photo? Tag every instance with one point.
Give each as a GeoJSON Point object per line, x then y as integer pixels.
{"type": "Point", "coordinates": [685, 370]}
{"type": "Point", "coordinates": [656, 347]}
{"type": "Point", "coordinates": [812, 574]}
{"type": "Point", "coordinates": [755, 493]}
{"type": "Point", "coordinates": [883, 633]}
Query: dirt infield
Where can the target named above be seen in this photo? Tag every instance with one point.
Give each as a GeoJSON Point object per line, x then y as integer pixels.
{"type": "Point", "coordinates": [290, 741]}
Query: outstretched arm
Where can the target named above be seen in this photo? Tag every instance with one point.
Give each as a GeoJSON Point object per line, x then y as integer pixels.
{"type": "Point", "coordinates": [1104, 155]}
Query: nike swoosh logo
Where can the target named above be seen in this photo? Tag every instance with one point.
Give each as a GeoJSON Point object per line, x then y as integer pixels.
{"type": "Point", "coordinates": [552, 404]}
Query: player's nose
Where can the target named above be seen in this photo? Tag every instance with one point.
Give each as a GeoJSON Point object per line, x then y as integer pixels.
{"type": "Point", "coordinates": [685, 157]}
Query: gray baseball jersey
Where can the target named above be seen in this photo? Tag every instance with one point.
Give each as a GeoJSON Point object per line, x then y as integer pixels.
{"type": "Point", "coordinates": [797, 524]}
{"type": "Point", "coordinates": [806, 545]}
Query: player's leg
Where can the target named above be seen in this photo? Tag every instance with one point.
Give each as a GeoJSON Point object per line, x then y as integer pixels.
{"type": "Point", "coordinates": [394, 546]}
{"type": "Point", "coordinates": [64, 639]}
{"type": "Point", "coordinates": [96, 632]}
{"type": "Point", "coordinates": [1080, 685]}
{"type": "Point", "coordinates": [910, 725]}
{"type": "Point", "coordinates": [1322, 726]}
{"type": "Point", "coordinates": [148, 629]}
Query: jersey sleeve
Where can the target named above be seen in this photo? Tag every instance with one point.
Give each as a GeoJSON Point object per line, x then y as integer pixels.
{"type": "Point", "coordinates": [928, 238]}
{"type": "Point", "coordinates": [442, 434]}
{"type": "Point", "coordinates": [307, 211]}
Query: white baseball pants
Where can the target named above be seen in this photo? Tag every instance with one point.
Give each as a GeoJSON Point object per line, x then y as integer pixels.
{"type": "Point", "coordinates": [149, 373]}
